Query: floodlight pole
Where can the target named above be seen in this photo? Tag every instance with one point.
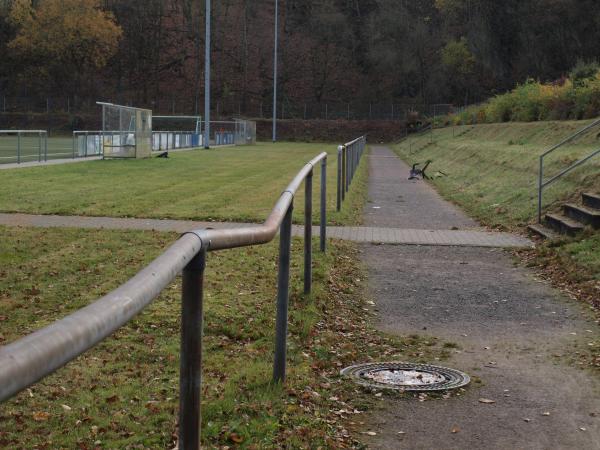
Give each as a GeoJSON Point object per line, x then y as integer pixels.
{"type": "Point", "coordinates": [207, 79]}
{"type": "Point", "coordinates": [275, 70]}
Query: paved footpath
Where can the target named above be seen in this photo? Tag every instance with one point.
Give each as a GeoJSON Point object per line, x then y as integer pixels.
{"type": "Point", "coordinates": [377, 235]}
{"type": "Point", "coordinates": [514, 334]}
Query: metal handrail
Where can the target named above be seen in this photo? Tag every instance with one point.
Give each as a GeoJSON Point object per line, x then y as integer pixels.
{"type": "Point", "coordinates": [41, 353]}
{"type": "Point", "coordinates": [543, 184]}
{"type": "Point", "coordinates": [349, 156]}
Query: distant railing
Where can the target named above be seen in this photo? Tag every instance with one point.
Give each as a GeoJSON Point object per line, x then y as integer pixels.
{"type": "Point", "coordinates": [41, 353]}
{"type": "Point", "coordinates": [23, 146]}
{"type": "Point", "coordinates": [349, 156]}
{"type": "Point", "coordinates": [543, 184]}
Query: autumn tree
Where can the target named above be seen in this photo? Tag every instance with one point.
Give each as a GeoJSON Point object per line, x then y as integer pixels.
{"type": "Point", "coordinates": [59, 43]}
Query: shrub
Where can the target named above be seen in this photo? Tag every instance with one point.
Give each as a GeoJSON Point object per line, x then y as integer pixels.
{"type": "Point", "coordinates": [575, 98]}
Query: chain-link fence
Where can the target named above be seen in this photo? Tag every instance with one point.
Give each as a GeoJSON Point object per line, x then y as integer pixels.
{"type": "Point", "coordinates": [237, 107]}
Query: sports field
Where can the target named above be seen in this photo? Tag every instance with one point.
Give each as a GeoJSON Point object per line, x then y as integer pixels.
{"type": "Point", "coordinates": [227, 184]}
{"type": "Point", "coordinates": [58, 147]}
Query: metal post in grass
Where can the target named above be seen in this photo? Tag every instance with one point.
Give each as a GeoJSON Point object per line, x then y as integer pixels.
{"type": "Point", "coordinates": [283, 285]}
{"type": "Point", "coordinates": [19, 147]}
{"type": "Point", "coordinates": [40, 146]}
{"type": "Point", "coordinates": [207, 78]}
{"type": "Point", "coordinates": [46, 146]}
{"type": "Point", "coordinates": [74, 143]}
{"type": "Point", "coordinates": [339, 178]}
{"type": "Point", "coordinates": [308, 188]}
{"type": "Point", "coordinates": [190, 376]}
{"type": "Point", "coordinates": [347, 175]}
{"type": "Point", "coordinates": [344, 173]}
{"type": "Point", "coordinates": [540, 189]}
{"type": "Point", "coordinates": [323, 217]}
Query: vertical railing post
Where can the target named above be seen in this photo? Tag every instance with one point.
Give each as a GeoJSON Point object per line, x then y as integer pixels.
{"type": "Point", "coordinates": [74, 143]}
{"type": "Point", "coordinates": [308, 188]}
{"type": "Point", "coordinates": [540, 189]}
{"type": "Point", "coordinates": [190, 376]}
{"type": "Point", "coordinates": [19, 147]}
{"type": "Point", "coordinates": [323, 230]}
{"type": "Point", "coordinates": [339, 177]}
{"type": "Point", "coordinates": [344, 172]}
{"type": "Point", "coordinates": [346, 167]}
{"type": "Point", "coordinates": [46, 146]}
{"type": "Point", "coordinates": [283, 284]}
{"type": "Point", "coordinates": [40, 146]}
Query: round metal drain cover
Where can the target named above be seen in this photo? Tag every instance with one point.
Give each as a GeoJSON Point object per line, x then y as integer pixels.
{"type": "Point", "coordinates": [407, 376]}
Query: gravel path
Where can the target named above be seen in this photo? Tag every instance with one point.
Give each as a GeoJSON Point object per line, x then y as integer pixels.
{"type": "Point", "coordinates": [514, 334]}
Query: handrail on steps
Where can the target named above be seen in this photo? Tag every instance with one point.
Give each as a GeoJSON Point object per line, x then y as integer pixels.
{"type": "Point", "coordinates": [543, 184]}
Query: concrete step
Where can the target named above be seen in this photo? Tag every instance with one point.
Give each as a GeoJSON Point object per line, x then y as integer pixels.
{"type": "Point", "coordinates": [563, 224]}
{"type": "Point", "coordinates": [591, 200]}
{"type": "Point", "coordinates": [542, 231]}
{"type": "Point", "coordinates": [582, 214]}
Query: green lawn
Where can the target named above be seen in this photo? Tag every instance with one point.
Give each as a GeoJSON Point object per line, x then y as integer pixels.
{"type": "Point", "coordinates": [233, 184]}
{"type": "Point", "coordinates": [124, 392]}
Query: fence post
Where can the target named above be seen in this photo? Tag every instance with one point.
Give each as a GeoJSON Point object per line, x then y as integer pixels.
{"type": "Point", "coordinates": [190, 375]}
{"type": "Point", "coordinates": [344, 171]}
{"type": "Point", "coordinates": [323, 231]}
{"type": "Point", "coordinates": [19, 147]}
{"type": "Point", "coordinates": [540, 189]}
{"type": "Point", "coordinates": [339, 178]}
{"type": "Point", "coordinates": [283, 284]}
{"type": "Point", "coordinates": [74, 143]}
{"type": "Point", "coordinates": [347, 175]}
{"type": "Point", "coordinates": [308, 187]}
{"type": "Point", "coordinates": [40, 146]}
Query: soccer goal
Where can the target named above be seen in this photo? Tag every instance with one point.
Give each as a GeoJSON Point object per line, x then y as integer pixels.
{"type": "Point", "coordinates": [126, 131]}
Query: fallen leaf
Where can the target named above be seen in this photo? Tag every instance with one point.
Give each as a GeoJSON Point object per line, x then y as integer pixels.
{"type": "Point", "coordinates": [66, 407]}
{"type": "Point", "coordinates": [486, 401]}
{"type": "Point", "coordinates": [455, 430]}
{"type": "Point", "coordinates": [234, 437]}
{"type": "Point", "coordinates": [40, 416]}
{"type": "Point", "coordinates": [371, 433]}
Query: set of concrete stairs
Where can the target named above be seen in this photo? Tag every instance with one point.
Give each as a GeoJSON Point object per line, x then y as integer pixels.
{"type": "Point", "coordinates": [573, 220]}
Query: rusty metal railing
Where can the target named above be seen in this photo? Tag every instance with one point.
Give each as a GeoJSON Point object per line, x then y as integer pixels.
{"type": "Point", "coordinates": [349, 156]}
{"type": "Point", "coordinates": [41, 353]}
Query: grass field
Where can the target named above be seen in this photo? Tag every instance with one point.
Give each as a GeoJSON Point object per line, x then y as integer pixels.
{"type": "Point", "coordinates": [233, 184]}
{"type": "Point", "coordinates": [492, 173]}
{"type": "Point", "coordinates": [58, 147]}
{"type": "Point", "coordinates": [124, 392]}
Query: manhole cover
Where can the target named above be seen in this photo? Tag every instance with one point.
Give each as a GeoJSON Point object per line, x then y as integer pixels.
{"type": "Point", "coordinates": [407, 376]}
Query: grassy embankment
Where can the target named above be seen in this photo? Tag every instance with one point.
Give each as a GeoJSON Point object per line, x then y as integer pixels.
{"type": "Point", "coordinates": [230, 184]}
{"type": "Point", "coordinates": [492, 173]}
{"type": "Point", "coordinates": [124, 392]}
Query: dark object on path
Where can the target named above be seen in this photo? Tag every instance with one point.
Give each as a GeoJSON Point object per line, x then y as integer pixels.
{"type": "Point", "coordinates": [415, 173]}
{"type": "Point", "coordinates": [163, 155]}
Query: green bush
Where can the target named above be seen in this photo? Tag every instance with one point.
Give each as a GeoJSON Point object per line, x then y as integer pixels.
{"type": "Point", "coordinates": [575, 98]}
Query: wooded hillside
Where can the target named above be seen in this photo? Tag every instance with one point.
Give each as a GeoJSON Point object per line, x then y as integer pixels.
{"type": "Point", "coordinates": [423, 51]}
